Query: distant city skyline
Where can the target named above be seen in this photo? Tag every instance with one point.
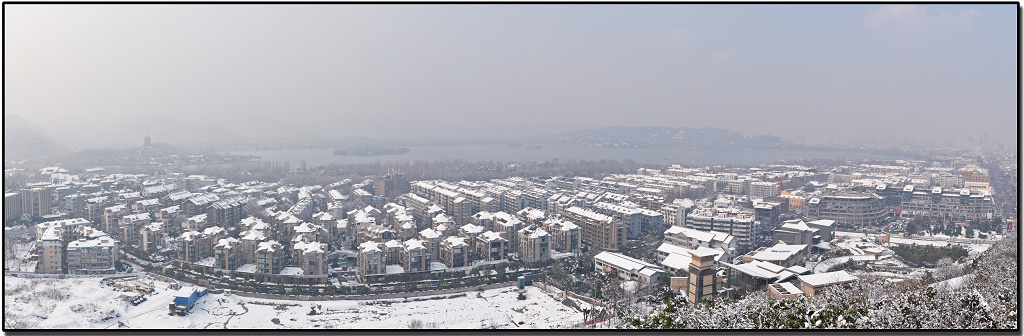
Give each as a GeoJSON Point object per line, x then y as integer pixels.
{"type": "Point", "coordinates": [106, 75]}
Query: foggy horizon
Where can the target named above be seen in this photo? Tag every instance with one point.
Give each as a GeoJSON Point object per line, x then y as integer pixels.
{"type": "Point", "coordinates": [106, 75]}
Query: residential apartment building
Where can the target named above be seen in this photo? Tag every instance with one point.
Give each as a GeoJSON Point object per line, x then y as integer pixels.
{"type": "Point", "coordinates": [12, 206]}
{"type": "Point", "coordinates": [248, 242]}
{"type": "Point", "coordinates": [225, 254]}
{"type": "Point", "coordinates": [269, 257]}
{"type": "Point", "coordinates": [146, 206]}
{"type": "Point", "coordinates": [454, 252]}
{"type": "Point", "coordinates": [131, 226]}
{"type": "Point", "coordinates": [51, 251]}
{"type": "Point", "coordinates": [675, 213]}
{"type": "Point", "coordinates": [370, 260]}
{"type": "Point", "coordinates": [490, 246]}
{"type": "Point", "coordinates": [152, 237]}
{"type": "Point", "coordinates": [509, 226]}
{"type": "Point", "coordinates": [391, 185]}
{"type": "Point", "coordinates": [629, 217]}
{"type": "Point", "coordinates": [189, 248]}
{"type": "Point", "coordinates": [414, 256]}
{"type": "Point", "coordinates": [600, 231]}
{"type": "Point", "coordinates": [958, 204]}
{"type": "Point", "coordinates": [311, 258]}
{"type": "Point", "coordinates": [431, 241]}
{"type": "Point", "coordinates": [37, 201]}
{"type": "Point", "coordinates": [97, 254]}
{"type": "Point", "coordinates": [226, 213]}
{"type": "Point", "coordinates": [763, 189]}
{"type": "Point", "coordinates": [198, 204]}
{"type": "Point", "coordinates": [94, 208]}
{"type": "Point", "coordinates": [973, 174]}
{"type": "Point", "coordinates": [848, 209]}
{"type": "Point", "coordinates": [566, 237]}
{"type": "Point", "coordinates": [534, 244]}
{"type": "Point", "coordinates": [195, 223]}
{"type": "Point", "coordinates": [728, 219]}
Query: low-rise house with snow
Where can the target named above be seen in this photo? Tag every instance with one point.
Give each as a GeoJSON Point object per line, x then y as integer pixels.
{"type": "Point", "coordinates": [780, 254]}
{"type": "Point", "coordinates": [812, 284]}
{"type": "Point", "coordinates": [627, 268]}
{"type": "Point", "coordinates": [754, 275]}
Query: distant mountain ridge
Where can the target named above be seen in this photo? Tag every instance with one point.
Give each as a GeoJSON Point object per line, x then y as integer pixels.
{"type": "Point", "coordinates": [26, 140]}
{"type": "Point", "coordinates": [653, 136]}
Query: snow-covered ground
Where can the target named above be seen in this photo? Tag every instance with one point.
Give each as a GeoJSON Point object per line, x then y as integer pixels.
{"type": "Point", "coordinates": [20, 261]}
{"type": "Point", "coordinates": [85, 303]}
{"type": "Point", "coordinates": [974, 246]}
{"type": "Point", "coordinates": [954, 283]}
{"type": "Point", "coordinates": [19, 247]}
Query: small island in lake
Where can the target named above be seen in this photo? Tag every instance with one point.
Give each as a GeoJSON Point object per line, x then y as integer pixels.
{"type": "Point", "coordinates": [370, 151]}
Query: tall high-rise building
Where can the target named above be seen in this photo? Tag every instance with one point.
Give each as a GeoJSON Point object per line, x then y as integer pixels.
{"type": "Point", "coordinates": [12, 206]}
{"type": "Point", "coordinates": [37, 201]}
{"type": "Point", "coordinates": [391, 185]}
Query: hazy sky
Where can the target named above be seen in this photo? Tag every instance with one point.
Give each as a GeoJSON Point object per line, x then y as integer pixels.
{"type": "Point", "coordinates": [115, 72]}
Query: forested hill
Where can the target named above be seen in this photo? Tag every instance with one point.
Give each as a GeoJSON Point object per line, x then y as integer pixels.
{"type": "Point", "coordinates": [980, 293]}
{"type": "Point", "coordinates": [25, 140]}
{"type": "Point", "coordinates": [650, 136]}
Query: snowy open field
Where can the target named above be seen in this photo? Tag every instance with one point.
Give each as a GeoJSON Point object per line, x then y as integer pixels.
{"type": "Point", "coordinates": [85, 303]}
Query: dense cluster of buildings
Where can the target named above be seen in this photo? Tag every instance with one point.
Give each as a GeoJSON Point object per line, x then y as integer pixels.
{"type": "Point", "coordinates": [745, 228]}
{"type": "Point", "coordinates": [73, 246]}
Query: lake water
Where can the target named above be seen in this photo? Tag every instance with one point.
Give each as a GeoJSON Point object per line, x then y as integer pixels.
{"type": "Point", "coordinates": [318, 157]}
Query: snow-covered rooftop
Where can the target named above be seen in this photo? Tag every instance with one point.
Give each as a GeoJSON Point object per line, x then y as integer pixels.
{"type": "Point", "coordinates": [779, 252]}
{"type": "Point", "coordinates": [368, 246]}
{"type": "Point", "coordinates": [292, 271]}
{"type": "Point", "coordinates": [92, 243]}
{"type": "Point", "coordinates": [247, 268]}
{"type": "Point", "coordinates": [823, 279]}
{"type": "Point", "coordinates": [393, 269]}
{"type": "Point", "coordinates": [622, 261]}
{"type": "Point", "coordinates": [413, 244]}
{"type": "Point", "coordinates": [430, 234]}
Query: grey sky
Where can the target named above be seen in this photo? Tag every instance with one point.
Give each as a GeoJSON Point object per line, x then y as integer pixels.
{"type": "Point", "coordinates": [104, 74]}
